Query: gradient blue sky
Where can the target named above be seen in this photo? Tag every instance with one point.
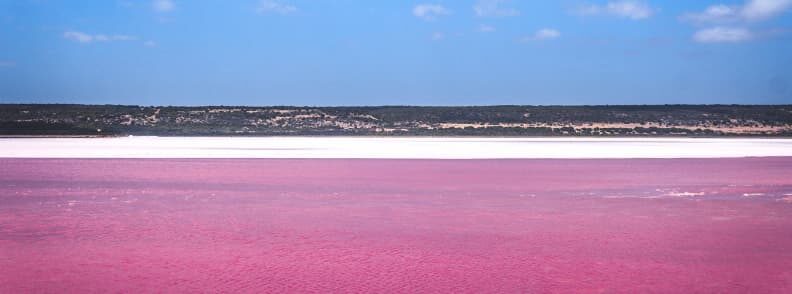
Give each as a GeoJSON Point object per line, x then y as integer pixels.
{"type": "Point", "coordinates": [347, 52]}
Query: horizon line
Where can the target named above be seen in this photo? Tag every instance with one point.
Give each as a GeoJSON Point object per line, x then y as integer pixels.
{"type": "Point", "coordinates": [393, 105]}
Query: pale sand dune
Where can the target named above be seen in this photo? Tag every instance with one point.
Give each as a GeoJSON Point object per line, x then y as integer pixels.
{"type": "Point", "coordinates": [403, 148]}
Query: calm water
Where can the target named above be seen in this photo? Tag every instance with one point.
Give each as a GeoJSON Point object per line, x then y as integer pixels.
{"type": "Point", "coordinates": [686, 225]}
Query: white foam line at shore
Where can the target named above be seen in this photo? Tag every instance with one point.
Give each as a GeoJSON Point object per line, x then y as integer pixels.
{"type": "Point", "coordinates": [391, 148]}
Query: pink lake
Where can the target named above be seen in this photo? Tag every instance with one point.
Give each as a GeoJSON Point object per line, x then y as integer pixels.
{"type": "Point", "coordinates": [374, 226]}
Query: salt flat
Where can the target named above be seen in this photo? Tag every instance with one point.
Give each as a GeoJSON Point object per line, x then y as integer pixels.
{"type": "Point", "coordinates": [395, 148]}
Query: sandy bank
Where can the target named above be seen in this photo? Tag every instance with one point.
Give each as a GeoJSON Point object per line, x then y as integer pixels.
{"type": "Point", "coordinates": [408, 148]}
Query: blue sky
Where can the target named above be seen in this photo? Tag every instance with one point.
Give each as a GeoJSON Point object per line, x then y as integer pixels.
{"type": "Point", "coordinates": [346, 52]}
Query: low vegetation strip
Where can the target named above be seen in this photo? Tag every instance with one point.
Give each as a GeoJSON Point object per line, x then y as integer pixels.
{"type": "Point", "coordinates": [608, 121]}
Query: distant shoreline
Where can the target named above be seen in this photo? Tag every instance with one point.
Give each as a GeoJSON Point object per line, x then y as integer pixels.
{"type": "Point", "coordinates": [733, 137]}
{"type": "Point", "coordinates": [607, 121]}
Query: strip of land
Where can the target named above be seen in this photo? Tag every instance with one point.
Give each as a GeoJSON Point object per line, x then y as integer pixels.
{"type": "Point", "coordinates": [391, 148]}
{"type": "Point", "coordinates": [486, 121]}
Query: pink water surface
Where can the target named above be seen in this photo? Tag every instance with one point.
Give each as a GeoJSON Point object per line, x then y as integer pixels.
{"type": "Point", "coordinates": [687, 225]}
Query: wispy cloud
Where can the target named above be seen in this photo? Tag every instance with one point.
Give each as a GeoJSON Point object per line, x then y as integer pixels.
{"type": "Point", "coordinates": [751, 11]}
{"type": "Point", "coordinates": [485, 29]}
{"type": "Point", "coordinates": [150, 44]}
{"type": "Point", "coordinates": [723, 35]}
{"type": "Point", "coordinates": [756, 10]}
{"type": "Point", "coordinates": [163, 6]}
{"type": "Point", "coordinates": [78, 36]}
{"type": "Point", "coordinates": [635, 10]}
{"type": "Point", "coordinates": [429, 11]}
{"type": "Point", "coordinates": [81, 37]}
{"type": "Point", "coordinates": [106, 38]}
{"type": "Point", "coordinates": [714, 13]}
{"type": "Point", "coordinates": [272, 6]}
{"type": "Point", "coordinates": [6, 63]}
{"type": "Point", "coordinates": [437, 36]}
{"type": "Point", "coordinates": [125, 3]}
{"type": "Point", "coordinates": [493, 8]}
{"type": "Point", "coordinates": [543, 35]}
{"type": "Point", "coordinates": [739, 19]}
